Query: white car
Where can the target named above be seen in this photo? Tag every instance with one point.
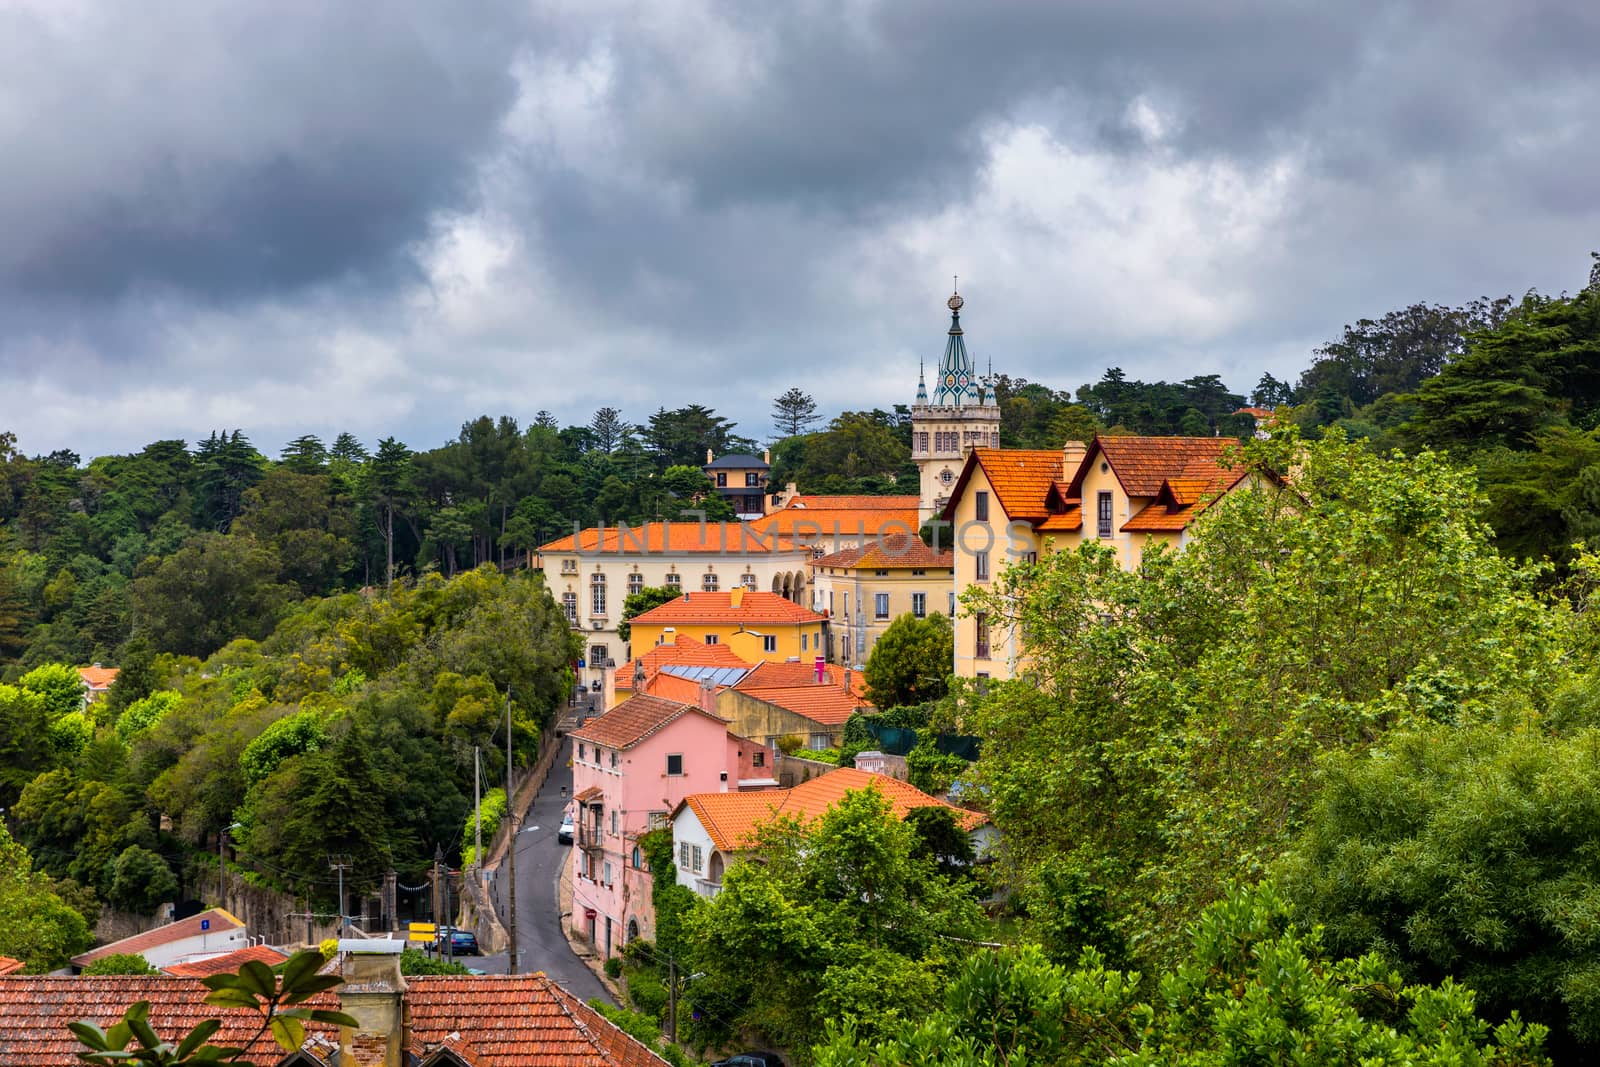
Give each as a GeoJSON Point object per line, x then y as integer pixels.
{"type": "Point", "coordinates": [564, 834]}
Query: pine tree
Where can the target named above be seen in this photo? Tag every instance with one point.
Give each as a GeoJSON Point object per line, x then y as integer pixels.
{"type": "Point", "coordinates": [795, 412]}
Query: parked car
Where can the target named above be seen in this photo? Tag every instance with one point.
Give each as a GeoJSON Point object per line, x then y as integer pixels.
{"type": "Point", "coordinates": [751, 1059]}
{"type": "Point", "coordinates": [564, 834]}
{"type": "Point", "coordinates": [457, 942]}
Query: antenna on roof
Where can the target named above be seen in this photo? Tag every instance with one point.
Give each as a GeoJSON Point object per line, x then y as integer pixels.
{"type": "Point", "coordinates": [955, 280]}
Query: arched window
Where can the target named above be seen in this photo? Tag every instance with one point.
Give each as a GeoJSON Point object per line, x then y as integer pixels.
{"type": "Point", "coordinates": [633, 929]}
{"type": "Point", "coordinates": [597, 594]}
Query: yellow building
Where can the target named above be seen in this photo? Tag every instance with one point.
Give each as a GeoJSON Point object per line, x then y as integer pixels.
{"type": "Point", "coordinates": [1127, 492]}
{"type": "Point", "coordinates": [863, 590]}
{"type": "Point", "coordinates": [758, 627]}
{"type": "Point", "coordinates": [591, 573]}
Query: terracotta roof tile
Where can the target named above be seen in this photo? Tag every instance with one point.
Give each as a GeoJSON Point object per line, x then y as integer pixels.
{"type": "Point", "coordinates": [98, 677]}
{"type": "Point", "coordinates": [1141, 464]}
{"type": "Point", "coordinates": [1021, 479]}
{"type": "Point", "coordinates": [730, 819]}
{"type": "Point", "coordinates": [853, 502]}
{"type": "Point", "coordinates": [842, 516]}
{"type": "Point", "coordinates": [754, 609]}
{"type": "Point", "coordinates": [228, 961]}
{"type": "Point", "coordinates": [896, 551]}
{"type": "Point", "coordinates": [217, 919]}
{"type": "Point", "coordinates": [822, 704]}
{"type": "Point", "coordinates": [780, 675]}
{"type": "Point", "coordinates": [682, 651]}
{"type": "Point", "coordinates": [660, 537]}
{"type": "Point", "coordinates": [635, 719]}
{"type": "Point", "coordinates": [1066, 522]}
{"type": "Point", "coordinates": [1183, 498]}
{"type": "Point", "coordinates": [491, 1020]}
{"type": "Point", "coordinates": [9, 965]}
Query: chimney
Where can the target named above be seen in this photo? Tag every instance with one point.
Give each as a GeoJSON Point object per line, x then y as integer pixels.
{"type": "Point", "coordinates": [766, 456]}
{"type": "Point", "coordinates": [736, 596]}
{"type": "Point", "coordinates": [640, 682]}
{"type": "Point", "coordinates": [708, 696]}
{"type": "Point", "coordinates": [820, 669]}
{"type": "Point", "coordinates": [1072, 453]}
{"type": "Point", "coordinates": [708, 457]}
{"type": "Point", "coordinates": [374, 994]}
{"type": "Point", "coordinates": [847, 677]}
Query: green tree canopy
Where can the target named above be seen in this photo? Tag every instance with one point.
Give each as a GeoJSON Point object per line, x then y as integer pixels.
{"type": "Point", "coordinates": [36, 926]}
{"type": "Point", "coordinates": [119, 963]}
{"type": "Point", "coordinates": [651, 596]}
{"type": "Point", "coordinates": [911, 662]}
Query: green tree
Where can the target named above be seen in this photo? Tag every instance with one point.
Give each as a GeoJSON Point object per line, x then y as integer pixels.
{"type": "Point", "coordinates": [1251, 989]}
{"type": "Point", "coordinates": [58, 685]}
{"type": "Point", "coordinates": [141, 715]}
{"type": "Point", "coordinates": [609, 429]}
{"type": "Point", "coordinates": [137, 677]}
{"type": "Point", "coordinates": [911, 662]}
{"type": "Point", "coordinates": [1170, 722]}
{"type": "Point", "coordinates": [651, 596]}
{"type": "Point", "coordinates": [141, 881]}
{"type": "Point", "coordinates": [36, 926]}
{"type": "Point", "coordinates": [210, 591]}
{"type": "Point", "coordinates": [306, 454]}
{"type": "Point", "coordinates": [842, 918]}
{"type": "Point", "coordinates": [389, 487]}
{"type": "Point", "coordinates": [119, 963]}
{"type": "Point", "coordinates": [1469, 852]}
{"type": "Point", "coordinates": [24, 740]}
{"type": "Point", "coordinates": [795, 412]}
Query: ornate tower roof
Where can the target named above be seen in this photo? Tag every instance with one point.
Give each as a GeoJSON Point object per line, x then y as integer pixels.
{"type": "Point", "coordinates": [957, 383]}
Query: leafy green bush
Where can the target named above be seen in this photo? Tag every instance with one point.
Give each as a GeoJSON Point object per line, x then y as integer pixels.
{"type": "Point", "coordinates": [492, 813]}
{"type": "Point", "coordinates": [613, 967]}
{"type": "Point", "coordinates": [647, 992]}
{"type": "Point", "coordinates": [120, 963]}
{"type": "Point", "coordinates": [416, 961]}
{"type": "Point", "coordinates": [69, 734]}
{"type": "Point", "coordinates": [141, 715]}
{"type": "Point", "coordinates": [292, 735]}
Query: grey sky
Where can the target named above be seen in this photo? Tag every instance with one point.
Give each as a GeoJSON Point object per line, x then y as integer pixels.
{"type": "Point", "coordinates": [298, 217]}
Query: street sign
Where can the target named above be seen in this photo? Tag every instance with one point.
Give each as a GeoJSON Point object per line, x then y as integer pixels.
{"type": "Point", "coordinates": [425, 932]}
{"type": "Point", "coordinates": [205, 924]}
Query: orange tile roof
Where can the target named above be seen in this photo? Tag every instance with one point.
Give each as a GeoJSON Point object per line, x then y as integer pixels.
{"type": "Point", "coordinates": [635, 719]}
{"type": "Point", "coordinates": [491, 1020]}
{"type": "Point", "coordinates": [891, 553]}
{"type": "Point", "coordinates": [9, 965]}
{"type": "Point", "coordinates": [217, 919]}
{"type": "Point", "coordinates": [664, 685]}
{"type": "Point", "coordinates": [839, 522]}
{"type": "Point", "coordinates": [779, 675]}
{"type": "Point", "coordinates": [1020, 478]}
{"type": "Point", "coordinates": [98, 677]}
{"type": "Point", "coordinates": [662, 537]}
{"type": "Point", "coordinates": [1141, 464]}
{"type": "Point", "coordinates": [822, 704]}
{"type": "Point", "coordinates": [1182, 499]}
{"type": "Point", "coordinates": [1066, 522]}
{"type": "Point", "coordinates": [730, 819]}
{"type": "Point", "coordinates": [228, 961]}
{"type": "Point", "coordinates": [853, 502]}
{"type": "Point", "coordinates": [755, 609]}
{"type": "Point", "coordinates": [1257, 413]}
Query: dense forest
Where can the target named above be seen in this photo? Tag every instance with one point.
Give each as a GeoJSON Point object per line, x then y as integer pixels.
{"type": "Point", "coordinates": [1365, 693]}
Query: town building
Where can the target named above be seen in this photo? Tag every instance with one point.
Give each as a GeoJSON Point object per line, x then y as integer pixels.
{"type": "Point", "coordinates": [592, 572]}
{"type": "Point", "coordinates": [210, 933]}
{"type": "Point", "coordinates": [959, 415]}
{"type": "Point", "coordinates": [491, 1020]}
{"type": "Point", "coordinates": [630, 767]}
{"type": "Point", "coordinates": [1014, 505]}
{"type": "Point", "coordinates": [811, 701]}
{"type": "Point", "coordinates": [863, 590]}
{"type": "Point", "coordinates": [827, 524]}
{"type": "Point", "coordinates": [97, 682]}
{"type": "Point", "coordinates": [667, 669]}
{"type": "Point", "coordinates": [757, 626]}
{"type": "Point", "coordinates": [741, 480]}
{"type": "Point", "coordinates": [712, 831]}
{"type": "Point", "coordinates": [226, 963]}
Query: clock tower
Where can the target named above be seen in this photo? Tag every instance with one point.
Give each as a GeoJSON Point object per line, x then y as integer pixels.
{"type": "Point", "coordinates": [961, 415]}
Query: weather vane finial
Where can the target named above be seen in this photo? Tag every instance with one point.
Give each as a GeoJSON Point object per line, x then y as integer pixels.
{"type": "Point", "coordinates": [955, 283]}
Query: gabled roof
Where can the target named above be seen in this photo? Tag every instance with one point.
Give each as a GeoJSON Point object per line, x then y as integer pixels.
{"type": "Point", "coordinates": [216, 921]}
{"type": "Point", "coordinates": [684, 651]}
{"type": "Point", "coordinates": [894, 552]}
{"type": "Point", "coordinates": [801, 675]}
{"type": "Point", "coordinates": [652, 538]}
{"type": "Point", "coordinates": [228, 961]}
{"type": "Point", "coordinates": [485, 1020]}
{"type": "Point", "coordinates": [1020, 478]}
{"type": "Point", "coordinates": [730, 819]}
{"type": "Point", "coordinates": [1185, 497]}
{"type": "Point", "coordinates": [738, 461]}
{"type": "Point", "coordinates": [794, 687]}
{"type": "Point", "coordinates": [635, 719]}
{"type": "Point", "coordinates": [753, 609]}
{"type": "Point", "coordinates": [1141, 464]}
{"type": "Point", "coordinates": [852, 502]}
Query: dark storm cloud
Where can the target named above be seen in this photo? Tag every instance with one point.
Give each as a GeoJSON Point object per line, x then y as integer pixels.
{"type": "Point", "coordinates": [237, 150]}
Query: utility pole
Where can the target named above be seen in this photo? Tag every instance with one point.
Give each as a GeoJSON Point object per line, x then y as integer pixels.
{"type": "Point", "coordinates": [340, 863]}
{"type": "Point", "coordinates": [511, 851]}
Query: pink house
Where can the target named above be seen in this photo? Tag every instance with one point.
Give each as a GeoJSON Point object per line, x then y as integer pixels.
{"type": "Point", "coordinates": [630, 768]}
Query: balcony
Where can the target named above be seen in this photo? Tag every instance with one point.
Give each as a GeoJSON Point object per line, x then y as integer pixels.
{"type": "Point", "coordinates": [707, 888]}
{"type": "Point", "coordinates": [590, 838]}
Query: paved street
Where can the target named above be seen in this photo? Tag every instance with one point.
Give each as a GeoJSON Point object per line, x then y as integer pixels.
{"type": "Point", "coordinates": [539, 858]}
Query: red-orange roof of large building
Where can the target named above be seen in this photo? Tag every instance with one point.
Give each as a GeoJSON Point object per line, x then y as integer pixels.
{"type": "Point", "coordinates": [730, 819]}
{"type": "Point", "coordinates": [1141, 464]}
{"type": "Point", "coordinates": [894, 552]}
{"type": "Point", "coordinates": [1020, 478]}
{"type": "Point", "coordinates": [653, 538]}
{"type": "Point", "coordinates": [635, 719]}
{"type": "Point", "coordinates": [753, 608]}
{"type": "Point", "coordinates": [794, 687]}
{"type": "Point", "coordinates": [488, 1020]}
{"type": "Point", "coordinates": [867, 516]}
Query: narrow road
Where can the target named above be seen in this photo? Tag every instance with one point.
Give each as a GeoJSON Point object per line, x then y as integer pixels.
{"type": "Point", "coordinates": [539, 860]}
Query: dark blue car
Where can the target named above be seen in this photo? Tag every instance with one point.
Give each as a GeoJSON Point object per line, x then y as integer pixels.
{"type": "Point", "coordinates": [460, 942]}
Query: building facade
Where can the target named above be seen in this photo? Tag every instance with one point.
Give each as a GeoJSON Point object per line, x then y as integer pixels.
{"type": "Point", "coordinates": [741, 480]}
{"type": "Point", "coordinates": [960, 414]}
{"type": "Point", "coordinates": [758, 627]}
{"type": "Point", "coordinates": [863, 590]}
{"type": "Point", "coordinates": [591, 573]}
